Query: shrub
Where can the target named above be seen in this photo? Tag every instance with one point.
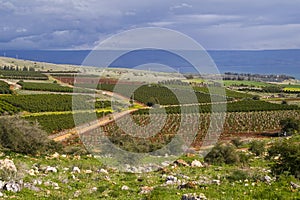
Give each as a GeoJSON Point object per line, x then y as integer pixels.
{"type": "Point", "coordinates": [286, 156]}
{"type": "Point", "coordinates": [257, 147]}
{"type": "Point", "coordinates": [222, 153]}
{"type": "Point", "coordinates": [256, 97]}
{"type": "Point", "coordinates": [237, 142]}
{"type": "Point", "coordinates": [237, 175]}
{"type": "Point", "coordinates": [290, 126]}
{"type": "Point", "coordinates": [22, 136]}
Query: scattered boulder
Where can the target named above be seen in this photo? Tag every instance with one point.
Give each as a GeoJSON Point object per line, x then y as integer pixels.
{"type": "Point", "coordinates": [182, 163]}
{"type": "Point", "coordinates": [32, 187]}
{"type": "Point", "coordinates": [7, 165]}
{"type": "Point", "coordinates": [267, 179]}
{"type": "Point", "coordinates": [66, 169]}
{"type": "Point", "coordinates": [50, 169]}
{"type": "Point", "coordinates": [1, 194]}
{"type": "Point", "coordinates": [216, 181]}
{"type": "Point", "coordinates": [184, 176]}
{"type": "Point", "coordinates": [53, 184]}
{"type": "Point", "coordinates": [76, 170]}
{"type": "Point", "coordinates": [193, 196]}
{"type": "Point", "coordinates": [165, 164]}
{"type": "Point", "coordinates": [2, 183]}
{"type": "Point", "coordinates": [88, 171]}
{"type": "Point", "coordinates": [188, 185]}
{"type": "Point", "coordinates": [12, 186]}
{"type": "Point", "coordinates": [94, 189]}
{"type": "Point", "coordinates": [294, 185]}
{"type": "Point", "coordinates": [55, 155]}
{"type": "Point", "coordinates": [65, 181]}
{"type": "Point", "coordinates": [196, 163]}
{"type": "Point", "coordinates": [37, 182]}
{"type": "Point", "coordinates": [170, 180]}
{"type": "Point", "coordinates": [125, 187]}
{"type": "Point", "coordinates": [146, 190]}
{"type": "Point", "coordinates": [31, 172]}
{"type": "Point", "coordinates": [104, 171]}
{"type": "Point", "coordinates": [77, 193]}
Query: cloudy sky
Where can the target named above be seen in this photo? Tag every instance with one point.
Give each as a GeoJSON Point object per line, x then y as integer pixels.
{"type": "Point", "coordinates": [215, 24]}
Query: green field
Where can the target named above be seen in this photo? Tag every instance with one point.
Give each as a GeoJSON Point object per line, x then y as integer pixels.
{"type": "Point", "coordinates": [239, 106]}
{"type": "Point", "coordinates": [30, 75]}
{"type": "Point", "coordinates": [52, 87]}
{"type": "Point", "coordinates": [53, 123]}
{"type": "Point", "coordinates": [4, 88]}
{"type": "Point", "coordinates": [245, 83]}
{"type": "Point", "coordinates": [52, 102]}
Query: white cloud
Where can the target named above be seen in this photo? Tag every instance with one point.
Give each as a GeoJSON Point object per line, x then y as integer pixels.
{"type": "Point", "coordinates": [182, 5]}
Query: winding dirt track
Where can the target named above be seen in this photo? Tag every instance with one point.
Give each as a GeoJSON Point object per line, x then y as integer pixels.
{"type": "Point", "coordinates": [89, 126]}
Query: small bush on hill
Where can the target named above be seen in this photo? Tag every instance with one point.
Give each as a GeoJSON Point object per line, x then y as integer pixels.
{"type": "Point", "coordinates": [237, 175]}
{"type": "Point", "coordinates": [290, 126]}
{"type": "Point", "coordinates": [257, 147]}
{"type": "Point", "coordinates": [286, 157]}
{"type": "Point", "coordinates": [21, 136]}
{"type": "Point", "coordinates": [221, 154]}
{"type": "Point", "coordinates": [237, 142]}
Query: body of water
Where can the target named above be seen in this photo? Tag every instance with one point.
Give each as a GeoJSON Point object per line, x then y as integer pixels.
{"type": "Point", "coordinates": [260, 62]}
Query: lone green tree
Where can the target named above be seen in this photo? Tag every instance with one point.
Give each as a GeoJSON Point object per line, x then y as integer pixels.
{"type": "Point", "coordinates": [290, 126]}
{"type": "Point", "coordinates": [21, 136]}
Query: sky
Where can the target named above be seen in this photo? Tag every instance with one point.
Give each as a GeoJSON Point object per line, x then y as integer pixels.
{"type": "Point", "coordinates": [215, 24]}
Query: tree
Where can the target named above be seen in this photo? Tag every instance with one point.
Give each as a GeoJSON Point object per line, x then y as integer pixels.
{"type": "Point", "coordinates": [256, 97]}
{"type": "Point", "coordinates": [19, 135]}
{"type": "Point", "coordinates": [286, 157]}
{"type": "Point", "coordinates": [290, 126]}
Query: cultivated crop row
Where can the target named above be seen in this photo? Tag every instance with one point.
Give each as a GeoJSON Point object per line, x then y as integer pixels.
{"type": "Point", "coordinates": [53, 102]}
{"type": "Point", "coordinates": [7, 108]}
{"type": "Point", "coordinates": [14, 74]}
{"type": "Point", "coordinates": [4, 88]}
{"type": "Point", "coordinates": [53, 123]}
{"type": "Point", "coordinates": [238, 106]}
{"type": "Point", "coordinates": [132, 137]}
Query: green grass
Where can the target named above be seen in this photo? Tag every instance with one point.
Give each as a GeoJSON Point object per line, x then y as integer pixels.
{"type": "Point", "coordinates": [252, 188]}
{"type": "Point", "coordinates": [229, 93]}
{"type": "Point", "coordinates": [52, 87]}
{"type": "Point", "coordinates": [245, 83]}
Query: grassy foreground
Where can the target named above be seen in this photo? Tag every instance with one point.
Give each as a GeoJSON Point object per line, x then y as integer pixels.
{"type": "Point", "coordinates": [85, 177]}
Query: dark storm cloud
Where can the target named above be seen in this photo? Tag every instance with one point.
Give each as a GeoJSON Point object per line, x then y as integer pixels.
{"type": "Point", "coordinates": [217, 24]}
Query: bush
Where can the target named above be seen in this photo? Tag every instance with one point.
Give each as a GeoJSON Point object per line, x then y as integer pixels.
{"type": "Point", "coordinates": [237, 175]}
{"type": "Point", "coordinates": [257, 147]}
{"type": "Point", "coordinates": [222, 153]}
{"type": "Point", "coordinates": [237, 142]}
{"type": "Point", "coordinates": [21, 136]}
{"type": "Point", "coordinates": [286, 156]}
{"type": "Point", "coordinates": [256, 97]}
{"type": "Point", "coordinates": [290, 126]}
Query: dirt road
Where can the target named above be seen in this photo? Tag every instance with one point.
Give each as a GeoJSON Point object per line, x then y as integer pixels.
{"type": "Point", "coordinates": [89, 126]}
